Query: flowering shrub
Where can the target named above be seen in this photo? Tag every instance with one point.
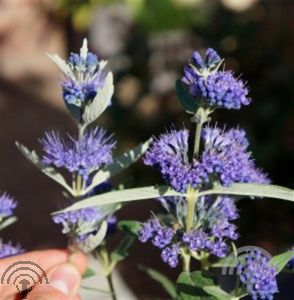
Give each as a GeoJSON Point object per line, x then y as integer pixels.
{"type": "Point", "coordinates": [202, 186]}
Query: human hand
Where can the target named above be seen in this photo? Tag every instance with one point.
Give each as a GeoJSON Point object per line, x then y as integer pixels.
{"type": "Point", "coordinates": [63, 273]}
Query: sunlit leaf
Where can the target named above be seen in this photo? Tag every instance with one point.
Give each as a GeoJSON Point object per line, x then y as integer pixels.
{"type": "Point", "coordinates": [48, 170]}
{"type": "Point", "coordinates": [127, 195]}
{"type": "Point", "coordinates": [84, 49]}
{"type": "Point", "coordinates": [62, 65]}
{"type": "Point", "coordinates": [253, 190]}
{"type": "Point", "coordinates": [100, 102]}
{"type": "Point", "coordinates": [7, 222]}
{"type": "Point", "coordinates": [119, 164]}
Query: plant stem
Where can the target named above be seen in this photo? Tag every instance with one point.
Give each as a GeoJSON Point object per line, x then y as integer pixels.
{"type": "Point", "coordinates": [197, 138]}
{"type": "Point", "coordinates": [191, 202]}
{"type": "Point", "coordinates": [110, 284]}
{"type": "Point", "coordinates": [107, 269]}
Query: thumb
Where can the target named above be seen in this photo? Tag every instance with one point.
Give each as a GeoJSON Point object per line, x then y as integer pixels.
{"type": "Point", "coordinates": [64, 282]}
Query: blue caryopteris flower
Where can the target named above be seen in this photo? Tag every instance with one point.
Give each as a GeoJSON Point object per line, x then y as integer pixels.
{"type": "Point", "coordinates": [225, 157]}
{"type": "Point", "coordinates": [258, 275]}
{"type": "Point", "coordinates": [213, 228]}
{"type": "Point", "coordinates": [83, 156]}
{"type": "Point", "coordinates": [7, 249]}
{"type": "Point", "coordinates": [211, 86]}
{"type": "Point", "coordinates": [7, 206]}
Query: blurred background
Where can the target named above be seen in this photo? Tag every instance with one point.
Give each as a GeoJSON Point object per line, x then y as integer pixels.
{"type": "Point", "coordinates": [147, 43]}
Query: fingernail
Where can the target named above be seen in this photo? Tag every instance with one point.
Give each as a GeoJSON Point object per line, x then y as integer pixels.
{"type": "Point", "coordinates": [65, 279]}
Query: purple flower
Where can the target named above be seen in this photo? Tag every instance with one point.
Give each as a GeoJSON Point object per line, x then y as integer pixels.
{"type": "Point", "coordinates": [169, 154]}
{"type": "Point", "coordinates": [82, 156]}
{"type": "Point", "coordinates": [7, 205]}
{"type": "Point", "coordinates": [218, 88]}
{"type": "Point", "coordinates": [195, 239]}
{"type": "Point", "coordinates": [88, 215]}
{"type": "Point", "coordinates": [218, 248]}
{"type": "Point", "coordinates": [162, 237]}
{"type": "Point", "coordinates": [88, 78]}
{"type": "Point", "coordinates": [258, 275]}
{"type": "Point", "coordinates": [224, 229]}
{"type": "Point", "coordinates": [170, 255]}
{"type": "Point", "coordinates": [7, 249]}
{"type": "Point", "coordinates": [226, 156]}
{"type": "Point", "coordinates": [148, 230]}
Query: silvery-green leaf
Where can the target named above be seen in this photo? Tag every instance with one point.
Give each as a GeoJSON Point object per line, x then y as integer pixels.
{"type": "Point", "coordinates": [253, 190]}
{"type": "Point", "coordinates": [49, 171]}
{"type": "Point", "coordinates": [62, 65]}
{"type": "Point", "coordinates": [281, 260]}
{"type": "Point", "coordinates": [127, 195]}
{"type": "Point", "coordinates": [84, 49]}
{"type": "Point", "coordinates": [100, 102]}
{"type": "Point", "coordinates": [7, 222]}
{"type": "Point", "coordinates": [93, 241]}
{"type": "Point", "coordinates": [217, 292]}
{"type": "Point", "coordinates": [165, 282]}
{"type": "Point", "coordinates": [119, 164]}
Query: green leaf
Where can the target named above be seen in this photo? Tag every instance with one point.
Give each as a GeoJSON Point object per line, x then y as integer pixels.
{"type": "Point", "coordinates": [122, 251]}
{"type": "Point", "coordinates": [253, 190]}
{"type": "Point", "coordinates": [229, 261]}
{"type": "Point", "coordinates": [62, 65]}
{"type": "Point", "coordinates": [130, 226]}
{"type": "Point", "coordinates": [119, 164]}
{"type": "Point", "coordinates": [93, 241]}
{"type": "Point", "coordinates": [7, 222]}
{"type": "Point", "coordinates": [134, 194]}
{"type": "Point", "coordinates": [167, 284]}
{"type": "Point", "coordinates": [190, 285]}
{"type": "Point", "coordinates": [49, 171]}
{"type": "Point", "coordinates": [89, 273]}
{"type": "Point", "coordinates": [100, 102]}
{"type": "Point", "coordinates": [281, 260]}
{"type": "Point", "coordinates": [189, 103]}
{"type": "Point", "coordinates": [217, 292]}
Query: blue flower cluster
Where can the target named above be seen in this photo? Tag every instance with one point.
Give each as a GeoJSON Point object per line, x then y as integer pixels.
{"type": "Point", "coordinates": [258, 275]}
{"type": "Point", "coordinates": [216, 88]}
{"type": "Point", "coordinates": [161, 237]}
{"type": "Point", "coordinates": [225, 156]}
{"type": "Point", "coordinates": [89, 77]}
{"type": "Point", "coordinates": [214, 229]}
{"type": "Point", "coordinates": [81, 156]}
{"type": "Point", "coordinates": [7, 249]}
{"type": "Point", "coordinates": [7, 205]}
